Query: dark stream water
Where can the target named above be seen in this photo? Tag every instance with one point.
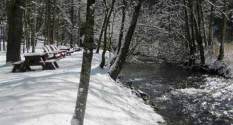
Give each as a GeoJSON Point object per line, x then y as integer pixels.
{"type": "Point", "coordinates": [182, 97]}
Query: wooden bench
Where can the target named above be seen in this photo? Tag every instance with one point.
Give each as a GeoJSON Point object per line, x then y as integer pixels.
{"type": "Point", "coordinates": [19, 66]}
{"type": "Point", "coordinates": [68, 51]}
{"type": "Point", "coordinates": [77, 49]}
{"type": "Point", "coordinates": [53, 54]}
{"type": "Point", "coordinates": [65, 51]}
{"type": "Point", "coordinates": [50, 64]}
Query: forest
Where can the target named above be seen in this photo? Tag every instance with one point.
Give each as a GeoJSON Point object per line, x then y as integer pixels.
{"type": "Point", "coordinates": [146, 62]}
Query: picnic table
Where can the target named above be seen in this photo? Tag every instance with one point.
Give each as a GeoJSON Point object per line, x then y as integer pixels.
{"type": "Point", "coordinates": [35, 59]}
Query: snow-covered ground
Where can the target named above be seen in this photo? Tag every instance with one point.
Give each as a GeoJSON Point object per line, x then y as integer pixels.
{"type": "Point", "coordinates": [48, 97]}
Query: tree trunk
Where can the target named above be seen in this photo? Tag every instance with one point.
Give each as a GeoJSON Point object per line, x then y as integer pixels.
{"type": "Point", "coordinates": [101, 32]}
{"type": "Point", "coordinates": [223, 32]}
{"type": "Point", "coordinates": [79, 23]}
{"type": "Point", "coordinates": [4, 40]}
{"type": "Point", "coordinates": [210, 41]}
{"type": "Point", "coordinates": [197, 23]}
{"type": "Point", "coordinates": [50, 20]}
{"type": "Point", "coordinates": [78, 118]}
{"type": "Point", "coordinates": [188, 34]}
{"type": "Point", "coordinates": [120, 60]}
{"type": "Point", "coordinates": [72, 18]}
{"type": "Point", "coordinates": [193, 34]}
{"type": "Point", "coordinates": [33, 29]}
{"type": "Point", "coordinates": [122, 27]}
{"type": "Point", "coordinates": [202, 24]}
{"type": "Point", "coordinates": [1, 35]}
{"type": "Point", "coordinates": [15, 29]}
{"type": "Point", "coordinates": [102, 64]}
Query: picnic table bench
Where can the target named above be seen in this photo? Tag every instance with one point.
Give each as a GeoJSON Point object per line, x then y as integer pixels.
{"type": "Point", "coordinates": [35, 59]}
{"type": "Point", "coordinates": [53, 54]}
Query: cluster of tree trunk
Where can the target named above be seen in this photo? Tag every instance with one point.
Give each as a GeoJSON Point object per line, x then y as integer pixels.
{"type": "Point", "coordinates": [88, 45]}
{"type": "Point", "coordinates": [124, 49]}
{"type": "Point", "coordinates": [105, 30]}
{"type": "Point", "coordinates": [121, 52]}
{"type": "Point", "coordinates": [196, 31]}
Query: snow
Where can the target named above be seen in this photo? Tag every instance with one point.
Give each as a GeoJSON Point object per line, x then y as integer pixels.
{"type": "Point", "coordinates": [48, 97]}
{"type": "Point", "coordinates": [192, 91]}
{"type": "Point", "coordinates": [34, 54]}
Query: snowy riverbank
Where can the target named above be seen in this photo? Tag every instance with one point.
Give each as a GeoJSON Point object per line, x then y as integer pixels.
{"type": "Point", "coordinates": [48, 97]}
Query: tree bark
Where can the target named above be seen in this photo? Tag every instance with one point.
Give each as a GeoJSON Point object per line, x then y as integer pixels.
{"type": "Point", "coordinates": [120, 60]}
{"type": "Point", "coordinates": [1, 38]}
{"type": "Point", "coordinates": [223, 32]}
{"type": "Point", "coordinates": [33, 28]}
{"type": "Point", "coordinates": [202, 24]}
{"type": "Point", "coordinates": [101, 32]}
{"type": "Point", "coordinates": [210, 40]}
{"type": "Point", "coordinates": [122, 27]}
{"type": "Point", "coordinates": [72, 18]}
{"type": "Point", "coordinates": [197, 23]}
{"type": "Point", "coordinates": [78, 118]}
{"type": "Point", "coordinates": [15, 29]}
{"type": "Point", "coordinates": [102, 64]}
{"type": "Point", "coordinates": [121, 33]}
{"type": "Point", "coordinates": [188, 34]}
{"type": "Point", "coordinates": [192, 29]}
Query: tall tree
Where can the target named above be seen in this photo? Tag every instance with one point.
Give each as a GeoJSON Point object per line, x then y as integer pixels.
{"type": "Point", "coordinates": [79, 114]}
{"type": "Point", "coordinates": [120, 60]}
{"type": "Point", "coordinates": [200, 31]}
{"type": "Point", "coordinates": [121, 32]}
{"type": "Point", "coordinates": [108, 13]}
{"type": "Point", "coordinates": [101, 33]}
{"type": "Point", "coordinates": [211, 20]}
{"type": "Point", "coordinates": [223, 32]}
{"type": "Point", "coordinates": [72, 18]}
{"type": "Point", "coordinates": [50, 20]}
{"type": "Point", "coordinates": [33, 26]}
{"type": "Point", "coordinates": [15, 29]}
{"type": "Point", "coordinates": [189, 34]}
{"type": "Point", "coordinates": [122, 27]}
{"type": "Point", "coordinates": [105, 34]}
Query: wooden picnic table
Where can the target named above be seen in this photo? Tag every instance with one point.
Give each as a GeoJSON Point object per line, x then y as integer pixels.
{"type": "Point", "coordinates": [35, 59]}
{"type": "Point", "coordinates": [65, 49]}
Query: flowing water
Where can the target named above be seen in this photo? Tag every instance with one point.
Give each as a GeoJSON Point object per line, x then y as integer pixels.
{"type": "Point", "coordinates": [180, 96]}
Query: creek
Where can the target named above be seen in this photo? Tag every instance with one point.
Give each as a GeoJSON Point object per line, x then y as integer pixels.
{"type": "Point", "coordinates": [180, 96]}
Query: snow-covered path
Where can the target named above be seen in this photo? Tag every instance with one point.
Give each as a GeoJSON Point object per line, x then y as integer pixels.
{"type": "Point", "coordinates": [48, 97]}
